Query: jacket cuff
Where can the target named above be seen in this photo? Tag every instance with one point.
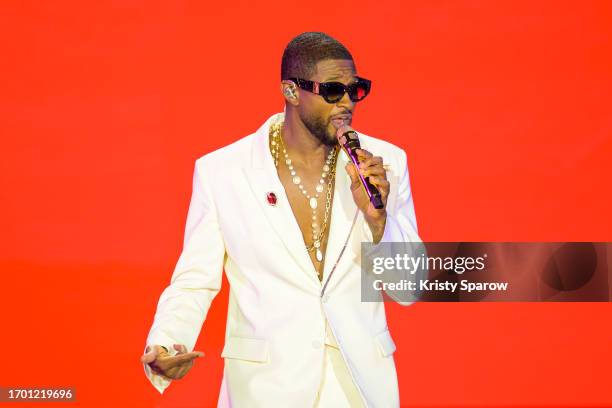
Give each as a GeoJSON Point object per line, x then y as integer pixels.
{"type": "Point", "coordinates": [160, 383]}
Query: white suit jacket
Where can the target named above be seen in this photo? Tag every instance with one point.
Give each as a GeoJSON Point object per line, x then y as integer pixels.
{"type": "Point", "coordinates": [276, 323]}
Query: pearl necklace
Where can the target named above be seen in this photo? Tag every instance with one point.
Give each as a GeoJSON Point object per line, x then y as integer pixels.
{"type": "Point", "coordinates": [329, 169]}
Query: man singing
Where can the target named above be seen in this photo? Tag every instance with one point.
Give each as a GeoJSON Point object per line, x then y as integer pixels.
{"type": "Point", "coordinates": [284, 213]}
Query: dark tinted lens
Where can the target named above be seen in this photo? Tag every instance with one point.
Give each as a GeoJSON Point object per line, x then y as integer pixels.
{"type": "Point", "coordinates": [332, 91]}
{"type": "Point", "coordinates": [358, 90]}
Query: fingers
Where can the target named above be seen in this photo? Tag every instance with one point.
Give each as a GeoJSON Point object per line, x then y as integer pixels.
{"type": "Point", "coordinates": [382, 184]}
{"type": "Point", "coordinates": [165, 375]}
{"type": "Point", "coordinates": [180, 359]}
{"type": "Point", "coordinates": [180, 348]}
{"type": "Point", "coordinates": [363, 154]}
{"type": "Point", "coordinates": [374, 171]}
{"type": "Point", "coordinates": [183, 370]}
{"type": "Point", "coordinates": [150, 355]}
{"type": "Point", "coordinates": [379, 181]}
{"type": "Point", "coordinates": [367, 159]}
{"type": "Point", "coordinates": [371, 161]}
{"type": "Point", "coordinates": [171, 367]}
{"type": "Point", "coordinates": [372, 166]}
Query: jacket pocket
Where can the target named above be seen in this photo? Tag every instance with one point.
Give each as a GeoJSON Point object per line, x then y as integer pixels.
{"type": "Point", "coordinates": [246, 348]}
{"type": "Point", "coordinates": [385, 342]}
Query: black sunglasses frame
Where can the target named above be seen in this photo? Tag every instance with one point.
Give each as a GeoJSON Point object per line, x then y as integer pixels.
{"type": "Point", "coordinates": [324, 88]}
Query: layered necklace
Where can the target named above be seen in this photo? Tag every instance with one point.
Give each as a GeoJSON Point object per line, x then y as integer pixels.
{"type": "Point", "coordinates": [328, 173]}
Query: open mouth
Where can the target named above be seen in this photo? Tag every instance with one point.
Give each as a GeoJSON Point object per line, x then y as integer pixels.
{"type": "Point", "coordinates": [340, 121]}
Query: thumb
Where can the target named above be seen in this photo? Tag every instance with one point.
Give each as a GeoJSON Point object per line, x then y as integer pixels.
{"type": "Point", "coordinates": [352, 172]}
{"type": "Point", "coordinates": [149, 356]}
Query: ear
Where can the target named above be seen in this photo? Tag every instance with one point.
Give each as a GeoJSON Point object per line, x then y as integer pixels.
{"type": "Point", "coordinates": [290, 92]}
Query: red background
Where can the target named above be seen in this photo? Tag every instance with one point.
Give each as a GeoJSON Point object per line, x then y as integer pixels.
{"type": "Point", "coordinates": [504, 108]}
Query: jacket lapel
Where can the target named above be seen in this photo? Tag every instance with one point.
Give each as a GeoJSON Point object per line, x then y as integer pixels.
{"type": "Point", "coordinates": [343, 211]}
{"type": "Point", "coordinates": [263, 179]}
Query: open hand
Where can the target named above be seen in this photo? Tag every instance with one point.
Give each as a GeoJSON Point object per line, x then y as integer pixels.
{"type": "Point", "coordinates": [170, 367]}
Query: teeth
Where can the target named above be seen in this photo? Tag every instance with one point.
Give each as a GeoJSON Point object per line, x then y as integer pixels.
{"type": "Point", "coordinates": [337, 123]}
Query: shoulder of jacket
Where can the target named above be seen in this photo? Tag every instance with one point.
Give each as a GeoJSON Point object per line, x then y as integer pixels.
{"type": "Point", "coordinates": [383, 148]}
{"type": "Point", "coordinates": [229, 155]}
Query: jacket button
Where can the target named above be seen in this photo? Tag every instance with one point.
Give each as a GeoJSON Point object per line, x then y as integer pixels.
{"type": "Point", "coordinates": [317, 344]}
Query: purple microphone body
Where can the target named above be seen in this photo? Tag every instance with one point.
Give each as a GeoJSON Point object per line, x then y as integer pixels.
{"type": "Point", "coordinates": [349, 141]}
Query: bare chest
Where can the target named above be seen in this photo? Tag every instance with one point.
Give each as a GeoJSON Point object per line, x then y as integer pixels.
{"type": "Point", "coordinates": [311, 207]}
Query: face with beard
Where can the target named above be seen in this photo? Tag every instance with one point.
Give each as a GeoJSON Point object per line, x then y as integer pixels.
{"type": "Point", "coordinates": [319, 128]}
{"type": "Point", "coordinates": [315, 113]}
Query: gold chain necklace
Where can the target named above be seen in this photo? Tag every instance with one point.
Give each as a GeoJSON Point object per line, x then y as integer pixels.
{"type": "Point", "coordinates": [329, 171]}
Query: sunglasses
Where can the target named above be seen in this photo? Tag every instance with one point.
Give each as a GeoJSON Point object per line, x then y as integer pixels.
{"type": "Point", "coordinates": [333, 92]}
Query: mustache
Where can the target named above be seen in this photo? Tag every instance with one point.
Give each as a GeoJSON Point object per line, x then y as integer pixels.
{"type": "Point", "coordinates": [346, 112]}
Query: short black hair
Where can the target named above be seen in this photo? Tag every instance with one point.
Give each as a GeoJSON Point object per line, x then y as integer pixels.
{"type": "Point", "coordinates": [302, 54]}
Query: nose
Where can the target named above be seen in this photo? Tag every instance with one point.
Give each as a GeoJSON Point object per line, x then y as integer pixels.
{"type": "Point", "coordinates": [346, 102]}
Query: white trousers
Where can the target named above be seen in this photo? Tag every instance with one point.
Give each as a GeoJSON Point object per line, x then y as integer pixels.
{"type": "Point", "coordinates": [337, 389]}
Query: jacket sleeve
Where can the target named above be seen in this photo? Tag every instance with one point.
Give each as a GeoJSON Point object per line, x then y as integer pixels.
{"type": "Point", "coordinates": [400, 229]}
{"type": "Point", "coordinates": [184, 304]}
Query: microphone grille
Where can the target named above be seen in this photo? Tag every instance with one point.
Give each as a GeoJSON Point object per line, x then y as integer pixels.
{"type": "Point", "coordinates": [349, 139]}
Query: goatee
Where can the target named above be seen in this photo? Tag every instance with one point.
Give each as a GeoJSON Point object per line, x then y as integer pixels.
{"type": "Point", "coordinates": [319, 129]}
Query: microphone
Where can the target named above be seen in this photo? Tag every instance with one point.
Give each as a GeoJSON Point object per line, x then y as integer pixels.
{"type": "Point", "coordinates": [349, 141]}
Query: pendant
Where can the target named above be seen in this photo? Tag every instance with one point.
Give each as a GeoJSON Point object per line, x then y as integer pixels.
{"type": "Point", "coordinates": [319, 255]}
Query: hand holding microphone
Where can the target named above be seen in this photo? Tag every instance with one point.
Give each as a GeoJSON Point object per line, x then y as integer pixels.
{"type": "Point", "coordinates": [368, 177]}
